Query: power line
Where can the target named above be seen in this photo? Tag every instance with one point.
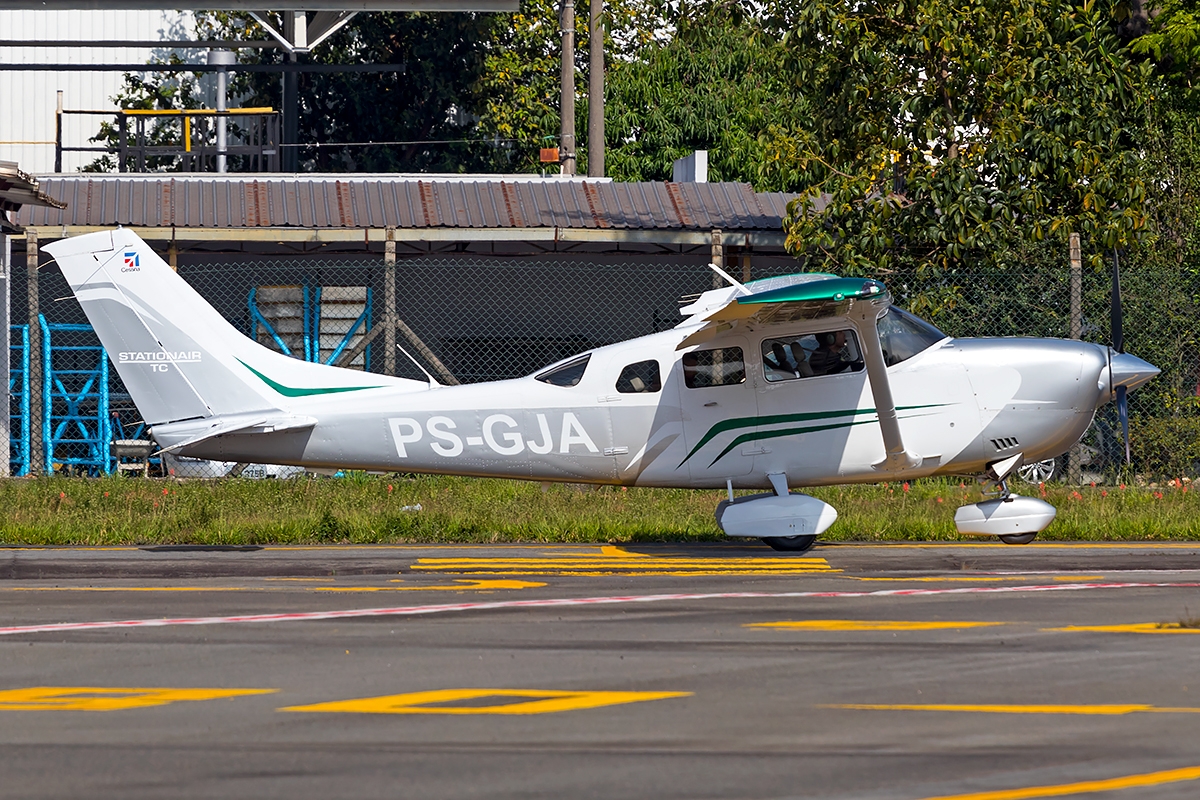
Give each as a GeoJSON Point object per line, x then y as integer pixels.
{"type": "Point", "coordinates": [414, 141]}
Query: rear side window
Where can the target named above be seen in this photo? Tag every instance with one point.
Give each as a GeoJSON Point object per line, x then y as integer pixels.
{"type": "Point", "coordinates": [638, 378]}
{"type": "Point", "coordinates": [722, 367]}
{"type": "Point", "coordinates": [568, 374]}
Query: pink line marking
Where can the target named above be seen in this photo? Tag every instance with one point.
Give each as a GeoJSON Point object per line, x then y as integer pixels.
{"type": "Point", "coordinates": [408, 611]}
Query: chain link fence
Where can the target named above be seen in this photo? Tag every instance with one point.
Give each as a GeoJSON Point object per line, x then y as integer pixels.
{"type": "Point", "coordinates": [471, 319]}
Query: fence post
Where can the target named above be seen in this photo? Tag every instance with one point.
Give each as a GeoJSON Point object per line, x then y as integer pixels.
{"type": "Point", "coordinates": [5, 310]}
{"type": "Point", "coordinates": [717, 256]}
{"type": "Point", "coordinates": [37, 454]}
{"type": "Point", "coordinates": [389, 302]}
{"type": "Point", "coordinates": [1074, 467]}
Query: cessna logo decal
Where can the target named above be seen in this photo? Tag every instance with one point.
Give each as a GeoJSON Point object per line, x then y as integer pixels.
{"type": "Point", "coordinates": [132, 262]}
{"type": "Point", "coordinates": [159, 360]}
{"type": "Point", "coordinates": [500, 433]}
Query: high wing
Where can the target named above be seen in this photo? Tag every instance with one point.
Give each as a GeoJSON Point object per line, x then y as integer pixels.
{"type": "Point", "coordinates": [776, 301]}
{"type": "Point", "coordinates": [792, 298]}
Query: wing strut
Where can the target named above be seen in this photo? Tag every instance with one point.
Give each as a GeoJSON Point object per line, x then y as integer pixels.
{"type": "Point", "coordinates": [897, 457]}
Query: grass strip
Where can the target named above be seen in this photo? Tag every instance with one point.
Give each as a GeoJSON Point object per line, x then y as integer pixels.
{"type": "Point", "coordinates": [380, 509]}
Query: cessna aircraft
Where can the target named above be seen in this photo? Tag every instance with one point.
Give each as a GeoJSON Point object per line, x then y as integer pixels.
{"type": "Point", "coordinates": [798, 380]}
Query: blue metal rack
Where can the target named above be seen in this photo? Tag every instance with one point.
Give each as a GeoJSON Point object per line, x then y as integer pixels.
{"type": "Point", "coordinates": [76, 430]}
{"type": "Point", "coordinates": [18, 393]}
{"type": "Point", "coordinates": [311, 326]}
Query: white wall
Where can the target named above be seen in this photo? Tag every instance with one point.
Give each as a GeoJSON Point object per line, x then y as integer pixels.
{"type": "Point", "coordinates": [28, 99]}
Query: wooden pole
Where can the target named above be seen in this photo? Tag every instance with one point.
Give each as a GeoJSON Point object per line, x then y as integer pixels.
{"type": "Point", "coordinates": [567, 107]}
{"type": "Point", "coordinates": [596, 89]}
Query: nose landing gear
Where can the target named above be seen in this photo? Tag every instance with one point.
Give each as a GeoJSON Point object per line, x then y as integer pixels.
{"type": "Point", "coordinates": [1009, 517]}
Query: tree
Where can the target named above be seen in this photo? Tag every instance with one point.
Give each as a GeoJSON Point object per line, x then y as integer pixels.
{"type": "Point", "coordinates": [713, 79]}
{"type": "Point", "coordinates": [950, 128]}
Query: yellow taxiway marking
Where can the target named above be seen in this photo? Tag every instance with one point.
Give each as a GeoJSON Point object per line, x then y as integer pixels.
{"type": "Point", "coordinates": [613, 563]}
{"type": "Point", "coordinates": [1082, 787]}
{"type": "Point", "coordinates": [97, 698]}
{"type": "Point", "coordinates": [868, 625]}
{"type": "Point", "coordinates": [506, 701]}
{"type": "Point", "coordinates": [1088, 710]}
{"type": "Point", "coordinates": [460, 585]}
{"type": "Point", "coordinates": [1136, 627]}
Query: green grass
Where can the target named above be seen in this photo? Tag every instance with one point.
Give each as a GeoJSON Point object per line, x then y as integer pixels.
{"type": "Point", "coordinates": [366, 509]}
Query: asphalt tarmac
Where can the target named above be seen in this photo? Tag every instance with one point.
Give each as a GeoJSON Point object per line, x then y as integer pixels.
{"type": "Point", "coordinates": [707, 671]}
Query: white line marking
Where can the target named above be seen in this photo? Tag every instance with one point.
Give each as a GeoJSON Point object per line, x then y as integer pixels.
{"type": "Point", "coordinates": [555, 602]}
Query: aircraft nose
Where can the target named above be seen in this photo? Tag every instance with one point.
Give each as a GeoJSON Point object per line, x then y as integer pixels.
{"type": "Point", "coordinates": [1130, 371]}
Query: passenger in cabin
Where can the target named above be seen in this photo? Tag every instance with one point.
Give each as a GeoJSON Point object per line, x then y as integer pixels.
{"type": "Point", "coordinates": [831, 356]}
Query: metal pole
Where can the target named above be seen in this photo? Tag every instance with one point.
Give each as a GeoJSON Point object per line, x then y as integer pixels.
{"type": "Point", "coordinates": [58, 134]}
{"type": "Point", "coordinates": [1074, 467]}
{"type": "Point", "coordinates": [5, 310]}
{"type": "Point", "coordinates": [222, 59]}
{"type": "Point", "coordinates": [389, 302]}
{"type": "Point", "coordinates": [596, 90]}
{"type": "Point", "coordinates": [291, 119]}
{"type": "Point", "coordinates": [567, 108]}
{"type": "Point", "coordinates": [37, 453]}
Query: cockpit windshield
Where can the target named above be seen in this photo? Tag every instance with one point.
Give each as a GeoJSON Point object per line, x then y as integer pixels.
{"type": "Point", "coordinates": [904, 335]}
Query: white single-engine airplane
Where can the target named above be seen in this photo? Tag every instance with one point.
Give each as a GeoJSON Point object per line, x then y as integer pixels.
{"type": "Point", "coordinates": [799, 380]}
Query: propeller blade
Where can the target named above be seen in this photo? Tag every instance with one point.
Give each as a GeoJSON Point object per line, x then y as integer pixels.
{"type": "Point", "coordinates": [1123, 414]}
{"type": "Point", "coordinates": [1118, 316]}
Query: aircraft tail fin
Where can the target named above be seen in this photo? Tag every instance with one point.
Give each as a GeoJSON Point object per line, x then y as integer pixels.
{"type": "Point", "coordinates": [179, 358]}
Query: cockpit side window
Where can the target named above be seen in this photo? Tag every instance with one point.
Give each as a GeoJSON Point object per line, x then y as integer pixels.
{"type": "Point", "coordinates": [639, 378]}
{"type": "Point", "coordinates": [903, 335]}
{"type": "Point", "coordinates": [826, 353]}
{"type": "Point", "coordinates": [721, 367]}
{"type": "Point", "coordinates": [568, 374]}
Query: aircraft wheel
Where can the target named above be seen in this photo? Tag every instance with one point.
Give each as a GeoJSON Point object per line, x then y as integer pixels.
{"type": "Point", "coordinates": [1018, 538]}
{"type": "Point", "coordinates": [791, 544]}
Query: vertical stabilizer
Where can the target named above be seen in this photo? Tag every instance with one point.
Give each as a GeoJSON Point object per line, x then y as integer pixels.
{"type": "Point", "coordinates": [177, 355]}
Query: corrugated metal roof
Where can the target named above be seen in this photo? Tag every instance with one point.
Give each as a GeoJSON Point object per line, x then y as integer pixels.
{"type": "Point", "coordinates": [18, 189]}
{"type": "Point", "coordinates": [381, 201]}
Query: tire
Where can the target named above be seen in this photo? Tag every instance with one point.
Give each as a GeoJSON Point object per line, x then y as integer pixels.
{"type": "Point", "coordinates": [1017, 538]}
{"type": "Point", "coordinates": [790, 544]}
{"type": "Point", "coordinates": [1039, 471]}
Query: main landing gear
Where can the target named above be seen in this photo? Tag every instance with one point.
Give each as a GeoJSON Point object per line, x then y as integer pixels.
{"type": "Point", "coordinates": [790, 544]}
{"type": "Point", "coordinates": [784, 521]}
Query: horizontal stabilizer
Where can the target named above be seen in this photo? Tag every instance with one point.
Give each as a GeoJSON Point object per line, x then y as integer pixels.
{"type": "Point", "coordinates": [251, 425]}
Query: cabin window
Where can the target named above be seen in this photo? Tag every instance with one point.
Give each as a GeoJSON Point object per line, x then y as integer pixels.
{"type": "Point", "coordinates": [903, 335]}
{"type": "Point", "coordinates": [722, 367]}
{"type": "Point", "coordinates": [568, 374]}
{"type": "Point", "coordinates": [826, 353]}
{"type": "Point", "coordinates": [639, 378]}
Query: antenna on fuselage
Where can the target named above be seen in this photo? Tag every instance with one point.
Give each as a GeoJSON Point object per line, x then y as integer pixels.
{"type": "Point", "coordinates": [432, 382]}
{"type": "Point", "coordinates": [740, 287]}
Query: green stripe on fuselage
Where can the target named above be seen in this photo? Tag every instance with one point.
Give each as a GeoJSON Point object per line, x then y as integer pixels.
{"type": "Point", "coordinates": [288, 391]}
{"type": "Point", "coordinates": [779, 419]}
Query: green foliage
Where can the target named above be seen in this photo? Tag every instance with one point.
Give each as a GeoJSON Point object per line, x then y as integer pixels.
{"type": "Point", "coordinates": [125, 511]}
{"type": "Point", "coordinates": [713, 81]}
{"type": "Point", "coordinates": [1167, 446]}
{"type": "Point", "coordinates": [953, 128]}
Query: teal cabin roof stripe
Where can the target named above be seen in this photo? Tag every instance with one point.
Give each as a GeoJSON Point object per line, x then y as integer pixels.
{"type": "Point", "coordinates": [831, 290]}
{"type": "Point", "coordinates": [288, 391]}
